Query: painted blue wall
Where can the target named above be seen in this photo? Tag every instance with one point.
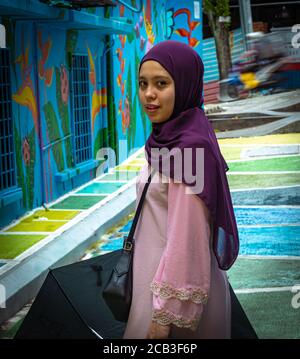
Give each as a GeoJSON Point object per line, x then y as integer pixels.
{"type": "Point", "coordinates": [41, 90]}
{"type": "Point", "coordinates": [159, 20]}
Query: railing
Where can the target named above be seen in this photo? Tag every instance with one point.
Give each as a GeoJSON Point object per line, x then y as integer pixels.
{"type": "Point", "coordinates": [81, 109]}
{"type": "Point", "coordinates": [7, 153]}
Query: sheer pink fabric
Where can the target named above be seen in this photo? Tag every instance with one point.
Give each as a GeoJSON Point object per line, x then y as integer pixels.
{"type": "Point", "coordinates": [176, 278]}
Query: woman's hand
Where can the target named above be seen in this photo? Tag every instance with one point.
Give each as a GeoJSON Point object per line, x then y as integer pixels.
{"type": "Point", "coordinates": [157, 331]}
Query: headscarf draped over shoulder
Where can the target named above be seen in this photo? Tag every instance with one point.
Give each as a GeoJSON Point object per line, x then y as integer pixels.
{"type": "Point", "coordinates": [188, 135]}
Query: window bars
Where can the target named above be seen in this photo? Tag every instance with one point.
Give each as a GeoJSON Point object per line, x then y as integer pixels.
{"type": "Point", "coordinates": [81, 109]}
{"type": "Point", "coordinates": [7, 152]}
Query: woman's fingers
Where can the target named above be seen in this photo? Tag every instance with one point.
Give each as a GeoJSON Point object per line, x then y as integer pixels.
{"type": "Point", "coordinates": [157, 331]}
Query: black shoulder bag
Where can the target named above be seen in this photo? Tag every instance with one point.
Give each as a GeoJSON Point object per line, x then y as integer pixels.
{"type": "Point", "coordinates": [118, 290]}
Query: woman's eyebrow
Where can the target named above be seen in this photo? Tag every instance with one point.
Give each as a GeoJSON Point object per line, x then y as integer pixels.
{"type": "Point", "coordinates": [154, 77]}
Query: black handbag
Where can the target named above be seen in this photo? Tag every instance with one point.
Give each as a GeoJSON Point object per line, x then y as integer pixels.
{"type": "Point", "coordinates": [117, 292]}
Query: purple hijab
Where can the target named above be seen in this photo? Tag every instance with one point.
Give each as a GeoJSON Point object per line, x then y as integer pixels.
{"type": "Point", "coordinates": [189, 128]}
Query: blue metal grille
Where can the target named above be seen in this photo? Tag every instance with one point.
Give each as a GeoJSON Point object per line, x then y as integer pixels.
{"type": "Point", "coordinates": [81, 109]}
{"type": "Point", "coordinates": [7, 154]}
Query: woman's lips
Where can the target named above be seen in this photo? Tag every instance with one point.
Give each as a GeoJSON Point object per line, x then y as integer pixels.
{"type": "Point", "coordinates": [151, 108]}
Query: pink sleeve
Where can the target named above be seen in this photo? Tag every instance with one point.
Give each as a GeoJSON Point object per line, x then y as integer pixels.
{"type": "Point", "coordinates": [181, 284]}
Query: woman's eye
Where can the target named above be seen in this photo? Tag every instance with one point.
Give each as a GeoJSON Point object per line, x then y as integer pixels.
{"type": "Point", "coordinates": [142, 83]}
{"type": "Point", "coordinates": [161, 83]}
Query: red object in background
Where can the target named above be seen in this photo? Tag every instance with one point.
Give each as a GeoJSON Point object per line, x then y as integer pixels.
{"type": "Point", "coordinates": [148, 11]}
{"type": "Point", "coordinates": [291, 66]}
{"type": "Point", "coordinates": [211, 92]}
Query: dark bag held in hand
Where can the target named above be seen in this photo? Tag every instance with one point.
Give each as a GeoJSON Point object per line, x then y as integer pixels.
{"type": "Point", "coordinates": [118, 290]}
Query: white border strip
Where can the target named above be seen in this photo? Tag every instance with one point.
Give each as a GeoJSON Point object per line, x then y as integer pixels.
{"type": "Point", "coordinates": [247, 173]}
{"type": "Point", "coordinates": [111, 181]}
{"type": "Point", "coordinates": [258, 145]}
{"type": "Point", "coordinates": [257, 256]}
{"type": "Point", "coordinates": [131, 171]}
{"type": "Point", "coordinates": [28, 233]}
{"type": "Point", "coordinates": [263, 290]}
{"type": "Point", "coordinates": [269, 206]}
{"type": "Point", "coordinates": [262, 188]}
{"type": "Point", "coordinates": [90, 194]}
{"type": "Point", "coordinates": [50, 220]}
{"type": "Point", "coordinates": [260, 158]}
{"type": "Point", "coordinates": [269, 225]}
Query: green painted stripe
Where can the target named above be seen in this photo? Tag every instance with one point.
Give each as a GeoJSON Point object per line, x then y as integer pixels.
{"type": "Point", "coordinates": [13, 245]}
{"type": "Point", "coordinates": [53, 215]}
{"type": "Point", "coordinates": [118, 176]}
{"type": "Point", "coordinates": [38, 226]}
{"type": "Point", "coordinates": [258, 273]}
{"type": "Point", "coordinates": [264, 180]}
{"type": "Point", "coordinates": [129, 168]}
{"type": "Point", "coordinates": [100, 187]}
{"type": "Point", "coordinates": [78, 202]}
{"type": "Point", "coordinates": [285, 163]}
{"type": "Point", "coordinates": [272, 314]}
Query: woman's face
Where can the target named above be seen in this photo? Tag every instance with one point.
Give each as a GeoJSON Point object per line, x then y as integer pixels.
{"type": "Point", "coordinates": [156, 91]}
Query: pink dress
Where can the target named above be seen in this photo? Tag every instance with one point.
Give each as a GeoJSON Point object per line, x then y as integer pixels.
{"type": "Point", "coordinates": [176, 278]}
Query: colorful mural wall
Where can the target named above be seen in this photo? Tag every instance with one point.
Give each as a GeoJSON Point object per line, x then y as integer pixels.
{"type": "Point", "coordinates": [159, 20]}
{"type": "Point", "coordinates": [42, 99]}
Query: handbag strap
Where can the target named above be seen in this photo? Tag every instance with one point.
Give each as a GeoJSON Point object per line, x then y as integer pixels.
{"type": "Point", "coordinates": [128, 240]}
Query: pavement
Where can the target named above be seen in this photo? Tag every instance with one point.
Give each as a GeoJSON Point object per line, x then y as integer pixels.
{"type": "Point", "coordinates": [285, 105]}
{"type": "Point", "coordinates": [102, 203]}
{"type": "Point", "coordinates": [284, 101]}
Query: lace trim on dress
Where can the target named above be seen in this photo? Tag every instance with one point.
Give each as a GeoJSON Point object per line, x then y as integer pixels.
{"type": "Point", "coordinates": [164, 317]}
{"type": "Point", "coordinates": [166, 291]}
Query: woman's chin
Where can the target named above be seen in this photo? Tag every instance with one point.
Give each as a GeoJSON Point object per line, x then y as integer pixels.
{"type": "Point", "coordinates": [156, 120]}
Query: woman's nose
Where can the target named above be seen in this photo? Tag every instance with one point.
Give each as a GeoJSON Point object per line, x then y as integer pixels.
{"type": "Point", "coordinates": [150, 92]}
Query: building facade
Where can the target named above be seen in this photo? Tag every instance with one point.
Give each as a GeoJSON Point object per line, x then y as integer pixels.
{"type": "Point", "coordinates": [68, 90]}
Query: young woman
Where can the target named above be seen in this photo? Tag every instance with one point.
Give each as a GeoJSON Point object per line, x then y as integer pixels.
{"type": "Point", "coordinates": [187, 235]}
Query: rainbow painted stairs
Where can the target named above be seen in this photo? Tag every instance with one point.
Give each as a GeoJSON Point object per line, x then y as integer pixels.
{"type": "Point", "coordinates": [92, 220]}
